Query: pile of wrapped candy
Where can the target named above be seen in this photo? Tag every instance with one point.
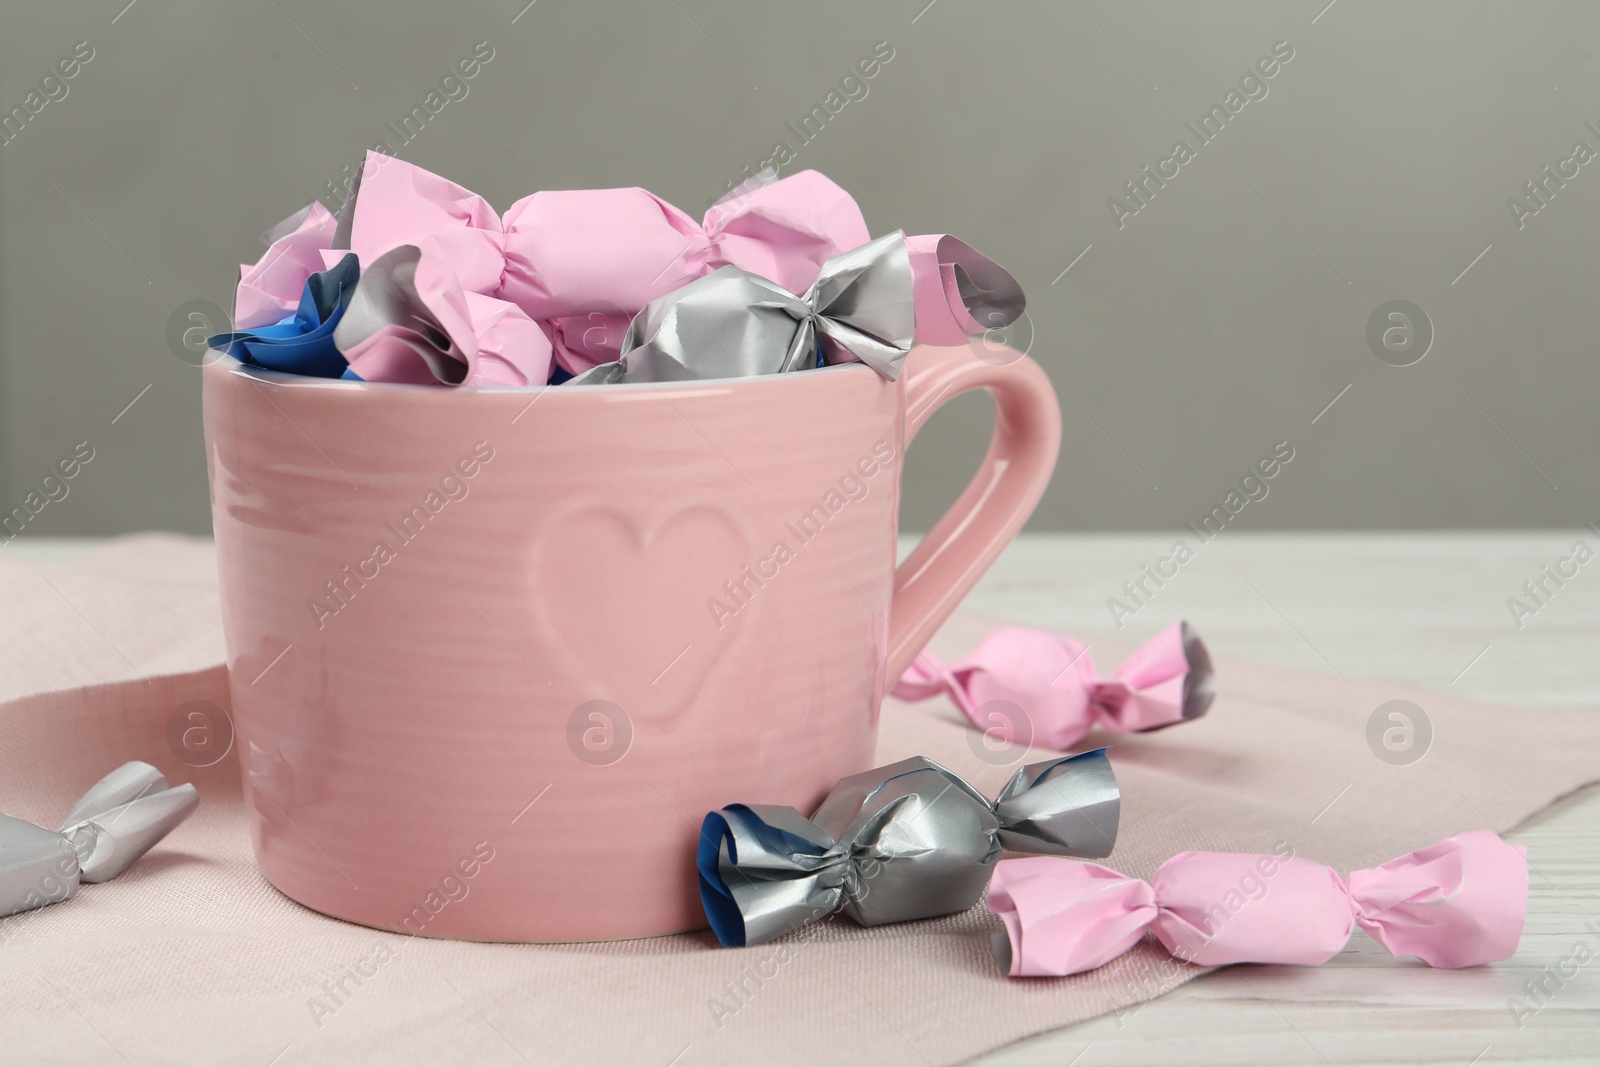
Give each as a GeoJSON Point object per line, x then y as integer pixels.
{"type": "Point", "coordinates": [912, 840]}
{"type": "Point", "coordinates": [419, 281]}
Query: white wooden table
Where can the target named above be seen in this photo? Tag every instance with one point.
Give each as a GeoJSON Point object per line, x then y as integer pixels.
{"type": "Point", "coordinates": [1424, 608]}
{"type": "Point", "coordinates": [1417, 607]}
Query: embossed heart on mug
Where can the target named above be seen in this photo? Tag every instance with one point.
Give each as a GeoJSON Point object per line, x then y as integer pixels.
{"type": "Point", "coordinates": [627, 596]}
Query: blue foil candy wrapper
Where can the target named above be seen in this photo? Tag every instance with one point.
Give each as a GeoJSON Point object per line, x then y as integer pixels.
{"type": "Point", "coordinates": [908, 841]}
{"type": "Point", "coordinates": [303, 342]}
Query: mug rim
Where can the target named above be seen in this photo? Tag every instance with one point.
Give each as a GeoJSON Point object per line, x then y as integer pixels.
{"type": "Point", "coordinates": [285, 379]}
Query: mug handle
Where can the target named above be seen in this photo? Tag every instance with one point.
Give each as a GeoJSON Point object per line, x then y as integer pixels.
{"type": "Point", "coordinates": [971, 535]}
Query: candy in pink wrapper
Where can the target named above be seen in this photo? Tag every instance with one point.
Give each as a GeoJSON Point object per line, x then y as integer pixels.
{"type": "Point", "coordinates": [569, 248]}
{"type": "Point", "coordinates": [1458, 903]}
{"type": "Point", "coordinates": [412, 321]}
{"type": "Point", "coordinates": [960, 291]}
{"type": "Point", "coordinates": [1053, 680]}
{"type": "Point", "coordinates": [269, 289]}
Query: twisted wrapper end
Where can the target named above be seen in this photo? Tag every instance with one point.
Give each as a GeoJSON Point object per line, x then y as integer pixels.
{"type": "Point", "coordinates": [784, 228]}
{"type": "Point", "coordinates": [863, 306]}
{"type": "Point", "coordinates": [118, 820]}
{"type": "Point", "coordinates": [1169, 679]}
{"type": "Point", "coordinates": [270, 288]}
{"type": "Point", "coordinates": [302, 343]}
{"type": "Point", "coordinates": [960, 291]}
{"type": "Point", "coordinates": [122, 817]}
{"type": "Point", "coordinates": [762, 871]}
{"type": "Point", "coordinates": [1200, 684]}
{"type": "Point", "coordinates": [389, 320]}
{"type": "Point", "coordinates": [908, 841]}
{"type": "Point", "coordinates": [411, 319]}
{"type": "Point", "coordinates": [1458, 903]}
{"type": "Point", "coordinates": [1064, 807]}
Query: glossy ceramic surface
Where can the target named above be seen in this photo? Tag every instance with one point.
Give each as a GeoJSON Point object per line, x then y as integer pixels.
{"type": "Point", "coordinates": [494, 653]}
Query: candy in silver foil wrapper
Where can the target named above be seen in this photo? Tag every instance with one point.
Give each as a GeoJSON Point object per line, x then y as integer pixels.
{"type": "Point", "coordinates": [118, 820]}
{"type": "Point", "coordinates": [906, 841]}
{"type": "Point", "coordinates": [733, 324]}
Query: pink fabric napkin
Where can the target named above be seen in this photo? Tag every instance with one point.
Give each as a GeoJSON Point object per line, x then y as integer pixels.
{"type": "Point", "coordinates": [191, 957]}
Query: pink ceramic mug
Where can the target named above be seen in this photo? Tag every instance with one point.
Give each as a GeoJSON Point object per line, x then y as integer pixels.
{"type": "Point", "coordinates": [494, 653]}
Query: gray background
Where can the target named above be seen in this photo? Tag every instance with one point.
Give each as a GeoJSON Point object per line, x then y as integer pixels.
{"type": "Point", "coordinates": [1221, 319]}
